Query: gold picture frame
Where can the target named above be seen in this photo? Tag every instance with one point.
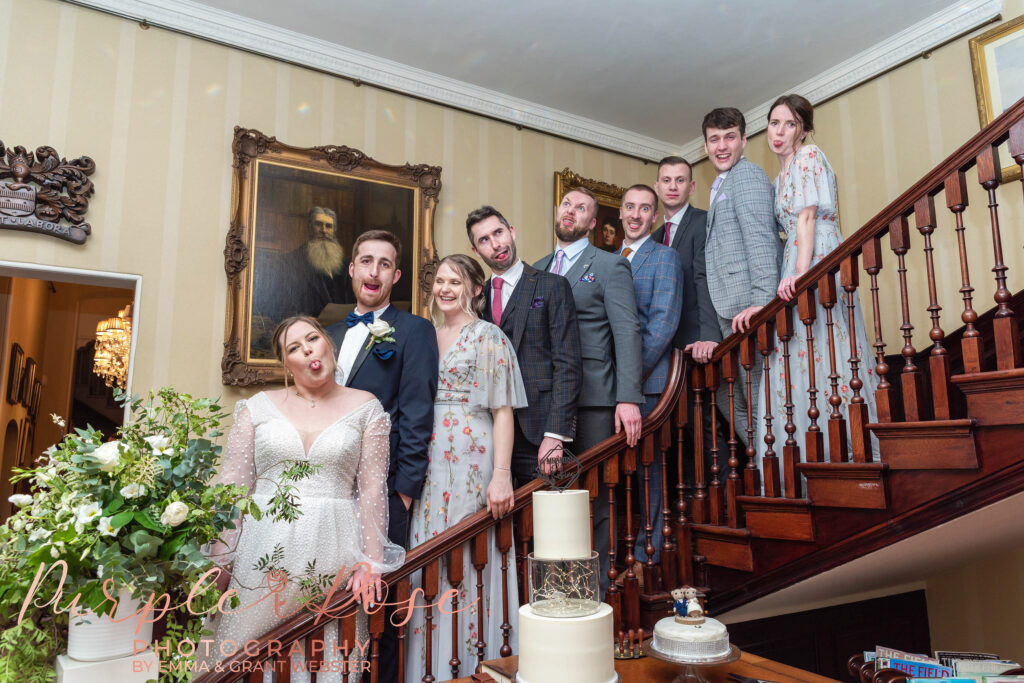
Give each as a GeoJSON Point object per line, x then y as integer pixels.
{"type": "Point", "coordinates": [279, 193]}
{"type": "Point", "coordinates": [997, 58]}
{"type": "Point", "coordinates": [609, 199]}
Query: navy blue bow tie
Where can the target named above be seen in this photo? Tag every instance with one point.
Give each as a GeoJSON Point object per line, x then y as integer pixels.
{"type": "Point", "coordinates": [354, 319]}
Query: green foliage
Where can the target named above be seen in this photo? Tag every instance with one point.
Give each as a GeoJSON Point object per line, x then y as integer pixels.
{"type": "Point", "coordinates": [136, 511]}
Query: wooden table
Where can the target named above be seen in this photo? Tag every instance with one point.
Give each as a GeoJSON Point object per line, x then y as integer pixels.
{"type": "Point", "coordinates": [648, 669]}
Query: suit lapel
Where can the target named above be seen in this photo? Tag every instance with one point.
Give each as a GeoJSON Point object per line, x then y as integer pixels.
{"type": "Point", "coordinates": [364, 350]}
{"type": "Point", "coordinates": [713, 209]}
{"type": "Point", "coordinates": [641, 255]}
{"type": "Point", "coordinates": [545, 263]}
{"type": "Point", "coordinates": [519, 304]}
{"type": "Point", "coordinates": [581, 266]}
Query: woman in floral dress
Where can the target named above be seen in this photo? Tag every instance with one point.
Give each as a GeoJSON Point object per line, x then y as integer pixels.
{"type": "Point", "coordinates": [479, 385]}
{"type": "Point", "coordinates": [807, 208]}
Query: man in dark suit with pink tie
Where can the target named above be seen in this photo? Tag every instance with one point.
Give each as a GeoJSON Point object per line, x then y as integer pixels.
{"type": "Point", "coordinates": [536, 311]}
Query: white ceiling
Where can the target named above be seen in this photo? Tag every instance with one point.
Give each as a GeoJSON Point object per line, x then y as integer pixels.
{"type": "Point", "coordinates": [635, 77]}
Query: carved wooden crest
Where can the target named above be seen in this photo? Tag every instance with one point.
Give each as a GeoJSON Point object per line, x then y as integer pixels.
{"type": "Point", "coordinates": [48, 195]}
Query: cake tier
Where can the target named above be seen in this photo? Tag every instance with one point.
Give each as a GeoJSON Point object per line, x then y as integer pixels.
{"type": "Point", "coordinates": [577, 650]}
{"type": "Point", "coordinates": [709, 640]}
{"type": "Point", "coordinates": [561, 525]}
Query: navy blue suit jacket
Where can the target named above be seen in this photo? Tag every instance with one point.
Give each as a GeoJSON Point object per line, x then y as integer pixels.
{"type": "Point", "coordinates": [405, 382]}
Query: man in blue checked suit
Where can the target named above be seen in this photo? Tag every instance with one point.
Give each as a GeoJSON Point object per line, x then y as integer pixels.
{"type": "Point", "coordinates": [658, 285]}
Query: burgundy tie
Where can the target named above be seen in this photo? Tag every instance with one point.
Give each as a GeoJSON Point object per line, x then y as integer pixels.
{"type": "Point", "coordinates": [497, 283]}
{"type": "Point", "coordinates": [668, 234]}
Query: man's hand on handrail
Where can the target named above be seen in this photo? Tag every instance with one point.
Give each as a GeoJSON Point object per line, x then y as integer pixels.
{"type": "Point", "coordinates": [742, 321]}
{"type": "Point", "coordinates": [701, 350]}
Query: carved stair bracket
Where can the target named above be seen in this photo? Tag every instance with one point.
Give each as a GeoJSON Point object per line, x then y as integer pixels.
{"type": "Point", "coordinates": [724, 546]}
{"type": "Point", "coordinates": [783, 519]}
{"type": "Point", "coordinates": [994, 398]}
{"type": "Point", "coordinates": [933, 445]}
{"type": "Point", "coordinates": [855, 485]}
{"type": "Point", "coordinates": [47, 189]}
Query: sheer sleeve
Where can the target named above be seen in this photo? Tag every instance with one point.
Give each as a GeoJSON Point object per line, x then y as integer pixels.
{"type": "Point", "coordinates": [498, 381]}
{"type": "Point", "coordinates": [372, 493]}
{"type": "Point", "coordinates": [239, 467]}
{"type": "Point", "coordinates": [813, 181]}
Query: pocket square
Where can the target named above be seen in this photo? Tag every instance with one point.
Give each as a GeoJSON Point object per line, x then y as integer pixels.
{"type": "Point", "coordinates": [589, 277]}
{"type": "Point", "coordinates": [537, 303]}
{"type": "Point", "coordinates": [383, 353]}
{"type": "Point", "coordinates": [719, 197]}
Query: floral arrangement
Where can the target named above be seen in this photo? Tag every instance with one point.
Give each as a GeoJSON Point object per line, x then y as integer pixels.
{"type": "Point", "coordinates": [138, 511]}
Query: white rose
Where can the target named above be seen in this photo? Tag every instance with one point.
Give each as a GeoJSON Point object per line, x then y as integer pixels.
{"type": "Point", "coordinates": [174, 514]}
{"type": "Point", "coordinates": [107, 455]}
{"type": "Point", "coordinates": [84, 514]}
{"type": "Point", "coordinates": [379, 328]}
{"type": "Point", "coordinates": [133, 491]}
{"type": "Point", "coordinates": [105, 528]}
{"type": "Point", "coordinates": [20, 499]}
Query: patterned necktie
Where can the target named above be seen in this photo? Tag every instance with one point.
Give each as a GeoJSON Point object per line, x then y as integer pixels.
{"type": "Point", "coordinates": [626, 251]}
{"type": "Point", "coordinates": [668, 234]}
{"type": "Point", "coordinates": [497, 283]}
{"type": "Point", "coordinates": [353, 318]}
{"type": "Point", "coordinates": [559, 256]}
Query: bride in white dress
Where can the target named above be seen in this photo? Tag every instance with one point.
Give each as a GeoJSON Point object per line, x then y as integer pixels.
{"type": "Point", "coordinates": [342, 432]}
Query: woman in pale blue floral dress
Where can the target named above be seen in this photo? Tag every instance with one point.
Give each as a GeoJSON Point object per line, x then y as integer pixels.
{"type": "Point", "coordinates": [807, 208]}
{"type": "Point", "coordinates": [479, 385]}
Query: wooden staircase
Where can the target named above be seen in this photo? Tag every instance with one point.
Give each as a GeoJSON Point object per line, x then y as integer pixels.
{"type": "Point", "coordinates": [950, 425]}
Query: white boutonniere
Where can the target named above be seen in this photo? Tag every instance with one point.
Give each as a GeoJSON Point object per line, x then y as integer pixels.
{"type": "Point", "coordinates": [380, 331]}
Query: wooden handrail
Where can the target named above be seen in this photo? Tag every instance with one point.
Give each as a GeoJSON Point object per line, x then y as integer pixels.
{"type": "Point", "coordinates": [931, 184]}
{"type": "Point", "coordinates": [306, 623]}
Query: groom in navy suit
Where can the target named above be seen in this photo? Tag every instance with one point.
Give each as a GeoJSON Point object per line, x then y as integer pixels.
{"type": "Point", "coordinates": [400, 372]}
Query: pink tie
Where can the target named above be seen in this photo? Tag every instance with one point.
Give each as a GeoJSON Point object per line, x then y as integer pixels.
{"type": "Point", "coordinates": [668, 234]}
{"type": "Point", "coordinates": [559, 255]}
{"type": "Point", "coordinates": [497, 283]}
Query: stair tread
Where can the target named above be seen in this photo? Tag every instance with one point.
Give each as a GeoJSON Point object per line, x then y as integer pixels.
{"type": "Point", "coordinates": [780, 502]}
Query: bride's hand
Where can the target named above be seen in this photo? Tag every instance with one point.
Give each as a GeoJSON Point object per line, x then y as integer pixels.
{"type": "Point", "coordinates": [358, 582]}
{"type": "Point", "coordinates": [500, 496]}
{"type": "Point", "coordinates": [787, 288]}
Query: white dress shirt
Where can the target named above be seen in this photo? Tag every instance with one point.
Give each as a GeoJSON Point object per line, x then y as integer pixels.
{"type": "Point", "coordinates": [510, 278]}
{"type": "Point", "coordinates": [351, 345]}
{"type": "Point", "coordinates": [635, 246]}
{"type": "Point", "coordinates": [672, 222]}
{"type": "Point", "coordinates": [572, 254]}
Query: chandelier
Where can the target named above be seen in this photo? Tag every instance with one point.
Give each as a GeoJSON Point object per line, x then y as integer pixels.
{"type": "Point", "coordinates": [113, 345]}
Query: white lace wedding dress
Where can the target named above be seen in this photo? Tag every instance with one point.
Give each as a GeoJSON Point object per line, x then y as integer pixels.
{"type": "Point", "coordinates": [343, 522]}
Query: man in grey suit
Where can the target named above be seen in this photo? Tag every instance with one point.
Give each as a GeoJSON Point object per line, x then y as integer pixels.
{"type": "Point", "coordinates": [610, 343]}
{"type": "Point", "coordinates": [743, 246]}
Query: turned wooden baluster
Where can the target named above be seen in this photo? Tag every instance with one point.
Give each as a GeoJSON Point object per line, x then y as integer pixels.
{"type": "Point", "coordinates": [1004, 324]}
{"type": "Point", "coordinates": [836, 422]}
{"type": "Point", "coordinates": [455, 576]}
{"type": "Point", "coordinates": [630, 583]}
{"type": "Point", "coordinates": [376, 627]}
{"type": "Point", "coordinates": [668, 545]}
{"type": "Point", "coordinates": [347, 636]}
{"type": "Point", "coordinates": [480, 547]}
{"type": "Point", "coordinates": [503, 534]}
{"type": "Point", "coordinates": [860, 438]}
{"type": "Point", "coordinates": [402, 593]}
{"type": "Point", "coordinates": [971, 344]}
{"type": "Point", "coordinates": [715, 491]}
{"type": "Point", "coordinates": [915, 405]}
{"type": "Point", "coordinates": [257, 677]}
{"type": "Point", "coordinates": [614, 594]}
{"type": "Point", "coordinates": [884, 400]}
{"type": "Point", "coordinates": [699, 504]}
{"type": "Point", "coordinates": [684, 545]}
{"type": "Point", "coordinates": [315, 646]}
{"type": "Point", "coordinates": [938, 359]}
{"type": "Point", "coordinates": [733, 484]}
{"type": "Point", "coordinates": [751, 475]}
{"type": "Point", "coordinates": [769, 461]}
{"type": "Point", "coordinates": [524, 537]}
{"type": "Point", "coordinates": [430, 581]}
{"type": "Point", "coordinates": [647, 461]}
{"type": "Point", "coordinates": [790, 449]}
{"type": "Point", "coordinates": [814, 440]}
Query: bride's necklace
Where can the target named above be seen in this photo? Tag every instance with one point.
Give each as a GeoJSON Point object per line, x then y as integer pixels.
{"type": "Point", "coordinates": [312, 401]}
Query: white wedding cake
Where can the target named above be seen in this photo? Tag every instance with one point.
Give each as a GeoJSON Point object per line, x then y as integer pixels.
{"type": "Point", "coordinates": [693, 642]}
{"type": "Point", "coordinates": [575, 647]}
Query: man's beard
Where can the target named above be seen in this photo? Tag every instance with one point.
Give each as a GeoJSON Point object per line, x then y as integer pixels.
{"type": "Point", "coordinates": [568, 235]}
{"type": "Point", "coordinates": [325, 255]}
{"type": "Point", "coordinates": [496, 265]}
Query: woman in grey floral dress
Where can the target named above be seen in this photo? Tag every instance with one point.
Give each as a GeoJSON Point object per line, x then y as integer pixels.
{"type": "Point", "coordinates": [807, 209]}
{"type": "Point", "coordinates": [479, 385]}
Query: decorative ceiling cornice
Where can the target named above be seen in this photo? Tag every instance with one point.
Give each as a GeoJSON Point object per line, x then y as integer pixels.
{"type": "Point", "coordinates": [216, 25]}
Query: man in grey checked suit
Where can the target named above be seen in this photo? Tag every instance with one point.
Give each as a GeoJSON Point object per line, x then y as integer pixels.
{"type": "Point", "coordinates": [602, 287]}
{"type": "Point", "coordinates": [743, 246]}
{"type": "Point", "coordinates": [659, 299]}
